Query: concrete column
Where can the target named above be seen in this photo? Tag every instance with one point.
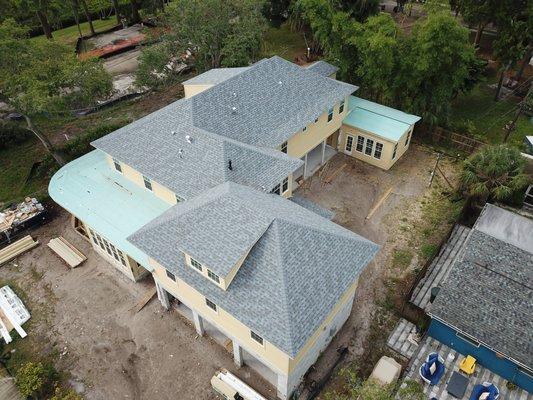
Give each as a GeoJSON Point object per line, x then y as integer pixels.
{"type": "Point", "coordinates": [237, 354]}
{"type": "Point", "coordinates": [282, 387]}
{"type": "Point", "coordinates": [162, 295]}
{"type": "Point", "coordinates": [323, 152]}
{"type": "Point", "coordinates": [305, 167]}
{"type": "Point", "coordinates": [198, 323]}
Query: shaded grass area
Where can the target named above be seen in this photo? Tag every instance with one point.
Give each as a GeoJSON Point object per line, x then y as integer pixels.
{"type": "Point", "coordinates": [69, 35]}
{"type": "Point", "coordinates": [478, 114]}
{"type": "Point", "coordinates": [283, 42]}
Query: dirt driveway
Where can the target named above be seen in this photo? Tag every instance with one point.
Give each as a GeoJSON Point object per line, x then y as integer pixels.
{"type": "Point", "coordinates": [85, 316]}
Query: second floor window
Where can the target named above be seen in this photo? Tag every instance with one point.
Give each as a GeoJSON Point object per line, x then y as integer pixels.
{"type": "Point", "coordinates": [341, 107]}
{"type": "Point", "coordinates": [147, 183]}
{"type": "Point", "coordinates": [330, 114]}
{"type": "Point", "coordinates": [179, 199]}
{"type": "Point", "coordinates": [256, 337]}
{"type": "Point", "coordinates": [210, 304]}
{"type": "Point", "coordinates": [213, 276]}
{"type": "Point", "coordinates": [171, 275]}
{"type": "Point", "coordinates": [284, 147]}
{"type": "Point", "coordinates": [117, 165]}
{"type": "Point", "coordinates": [285, 185]}
{"type": "Point", "coordinates": [196, 264]}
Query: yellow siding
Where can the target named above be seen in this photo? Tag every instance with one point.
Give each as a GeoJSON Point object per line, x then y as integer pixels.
{"type": "Point", "coordinates": [133, 175]}
{"type": "Point", "coordinates": [191, 90]}
{"type": "Point", "coordinates": [276, 359]}
{"type": "Point", "coordinates": [304, 141]}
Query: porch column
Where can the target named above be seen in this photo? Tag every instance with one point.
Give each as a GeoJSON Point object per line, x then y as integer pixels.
{"type": "Point", "coordinates": [237, 354]}
{"type": "Point", "coordinates": [305, 167]}
{"type": "Point", "coordinates": [323, 152]}
{"type": "Point", "coordinates": [198, 323]}
{"type": "Point", "coordinates": [282, 386]}
{"type": "Point", "coordinates": [162, 295]}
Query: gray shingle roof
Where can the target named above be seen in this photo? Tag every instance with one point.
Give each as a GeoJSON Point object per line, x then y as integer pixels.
{"type": "Point", "coordinates": [283, 291]}
{"type": "Point", "coordinates": [215, 76]}
{"type": "Point", "coordinates": [322, 68]}
{"type": "Point", "coordinates": [488, 295]}
{"type": "Point", "coordinates": [150, 146]}
{"type": "Point", "coordinates": [268, 103]}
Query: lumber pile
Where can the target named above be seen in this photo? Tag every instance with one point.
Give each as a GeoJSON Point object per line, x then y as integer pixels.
{"type": "Point", "coordinates": [17, 248]}
{"type": "Point", "coordinates": [66, 251]}
{"type": "Point", "coordinates": [19, 213]}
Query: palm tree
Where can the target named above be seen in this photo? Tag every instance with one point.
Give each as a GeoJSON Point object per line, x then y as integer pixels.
{"type": "Point", "coordinates": [494, 173]}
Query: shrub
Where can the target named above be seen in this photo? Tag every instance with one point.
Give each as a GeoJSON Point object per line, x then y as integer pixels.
{"type": "Point", "coordinates": [31, 379]}
{"type": "Point", "coordinates": [65, 394]}
{"type": "Point", "coordinates": [11, 134]}
{"type": "Point", "coordinates": [81, 145]}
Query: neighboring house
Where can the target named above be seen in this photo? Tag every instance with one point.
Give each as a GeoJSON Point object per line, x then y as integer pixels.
{"type": "Point", "coordinates": [485, 306]}
{"type": "Point", "coordinates": [376, 134]}
{"type": "Point", "coordinates": [196, 194]}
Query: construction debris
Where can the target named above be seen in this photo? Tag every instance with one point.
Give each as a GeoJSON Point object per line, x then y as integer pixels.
{"type": "Point", "coordinates": [12, 314]}
{"type": "Point", "coordinates": [68, 253]}
{"type": "Point", "coordinates": [334, 174]}
{"type": "Point", "coordinates": [149, 295]}
{"type": "Point", "coordinates": [19, 215]}
{"type": "Point", "coordinates": [17, 248]}
{"type": "Point", "coordinates": [379, 203]}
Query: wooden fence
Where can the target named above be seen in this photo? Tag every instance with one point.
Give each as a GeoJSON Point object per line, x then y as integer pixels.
{"type": "Point", "coordinates": [445, 137]}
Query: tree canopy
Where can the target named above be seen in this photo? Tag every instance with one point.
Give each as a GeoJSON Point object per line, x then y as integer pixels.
{"type": "Point", "coordinates": [214, 32]}
{"type": "Point", "coordinates": [44, 77]}
{"type": "Point", "coordinates": [494, 173]}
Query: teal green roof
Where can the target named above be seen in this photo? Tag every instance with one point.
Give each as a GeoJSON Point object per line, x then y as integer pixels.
{"type": "Point", "coordinates": [101, 197]}
{"type": "Point", "coordinates": [380, 120]}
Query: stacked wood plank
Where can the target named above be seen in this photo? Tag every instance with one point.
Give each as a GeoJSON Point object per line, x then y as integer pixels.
{"type": "Point", "coordinates": [71, 255]}
{"type": "Point", "coordinates": [17, 248]}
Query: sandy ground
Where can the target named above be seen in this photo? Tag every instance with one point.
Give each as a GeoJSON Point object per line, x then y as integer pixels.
{"type": "Point", "coordinates": [111, 352]}
{"type": "Point", "coordinates": [114, 353]}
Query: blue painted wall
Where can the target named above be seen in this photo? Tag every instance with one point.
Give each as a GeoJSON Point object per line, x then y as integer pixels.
{"type": "Point", "coordinates": [486, 357]}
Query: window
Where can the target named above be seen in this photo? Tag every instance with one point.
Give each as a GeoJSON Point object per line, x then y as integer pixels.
{"type": "Point", "coordinates": [360, 143]}
{"type": "Point", "coordinates": [284, 147]}
{"type": "Point", "coordinates": [304, 129]}
{"type": "Point", "coordinates": [341, 107]}
{"type": "Point", "coordinates": [256, 337]}
{"type": "Point", "coordinates": [330, 114]}
{"type": "Point", "coordinates": [196, 264]}
{"type": "Point", "coordinates": [467, 339]}
{"type": "Point", "coordinates": [171, 275]}
{"type": "Point", "coordinates": [107, 247]}
{"type": "Point", "coordinates": [378, 150]}
{"type": "Point", "coordinates": [408, 137]}
{"type": "Point", "coordinates": [394, 152]}
{"type": "Point", "coordinates": [285, 185]}
{"type": "Point", "coordinates": [147, 183]}
{"type": "Point", "coordinates": [349, 143]}
{"type": "Point", "coordinates": [213, 276]}
{"type": "Point", "coordinates": [316, 120]}
{"type": "Point", "coordinates": [117, 165]}
{"type": "Point", "coordinates": [179, 199]}
{"type": "Point", "coordinates": [277, 189]}
{"type": "Point", "coordinates": [210, 304]}
{"type": "Point", "coordinates": [369, 147]}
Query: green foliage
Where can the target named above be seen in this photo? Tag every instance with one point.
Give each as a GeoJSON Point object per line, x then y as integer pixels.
{"type": "Point", "coordinates": [494, 173]}
{"type": "Point", "coordinates": [33, 379]}
{"type": "Point", "coordinates": [428, 250]}
{"type": "Point", "coordinates": [216, 33]}
{"type": "Point", "coordinates": [65, 394]}
{"type": "Point", "coordinates": [80, 145]}
{"type": "Point", "coordinates": [12, 134]}
{"type": "Point", "coordinates": [401, 258]}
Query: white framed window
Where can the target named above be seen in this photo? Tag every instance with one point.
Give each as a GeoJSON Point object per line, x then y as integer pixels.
{"type": "Point", "coordinates": [108, 248]}
{"type": "Point", "coordinates": [378, 150]}
{"type": "Point", "coordinates": [171, 275]}
{"type": "Point", "coordinates": [330, 114]}
{"type": "Point", "coordinates": [285, 185]}
{"type": "Point", "coordinates": [284, 147]}
{"type": "Point", "coordinates": [316, 120]}
{"type": "Point", "coordinates": [211, 305]}
{"type": "Point", "coordinates": [341, 107]}
{"type": "Point", "coordinates": [277, 189]}
{"type": "Point", "coordinates": [360, 144]}
{"type": "Point", "coordinates": [117, 165]}
{"type": "Point", "coordinates": [179, 199]}
{"type": "Point", "coordinates": [195, 264]}
{"type": "Point", "coordinates": [369, 147]}
{"type": "Point", "coordinates": [408, 136]}
{"type": "Point", "coordinates": [349, 143]}
{"type": "Point", "coordinates": [256, 337]}
{"type": "Point", "coordinates": [214, 277]}
{"type": "Point", "coordinates": [147, 183]}
{"type": "Point", "coordinates": [304, 129]}
{"type": "Point", "coordinates": [394, 151]}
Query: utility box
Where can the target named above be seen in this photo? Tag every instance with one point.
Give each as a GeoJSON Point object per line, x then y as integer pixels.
{"type": "Point", "coordinates": [387, 370]}
{"type": "Point", "coordinates": [232, 388]}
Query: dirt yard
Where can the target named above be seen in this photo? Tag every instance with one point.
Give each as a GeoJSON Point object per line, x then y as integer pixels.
{"type": "Point", "coordinates": [85, 318]}
{"type": "Point", "coordinates": [395, 225]}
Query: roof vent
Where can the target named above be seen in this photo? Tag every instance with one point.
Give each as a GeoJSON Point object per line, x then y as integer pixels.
{"type": "Point", "coordinates": [188, 138]}
{"type": "Point", "coordinates": [234, 110]}
{"type": "Point", "coordinates": [234, 94]}
{"type": "Point", "coordinates": [173, 133]}
{"type": "Point", "coordinates": [230, 166]}
{"type": "Point", "coordinates": [180, 153]}
{"type": "Point", "coordinates": [280, 83]}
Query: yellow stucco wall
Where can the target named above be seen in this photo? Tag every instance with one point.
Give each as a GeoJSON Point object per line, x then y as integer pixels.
{"type": "Point", "coordinates": [191, 90]}
{"type": "Point", "coordinates": [316, 132]}
{"type": "Point", "coordinates": [133, 175]}
{"type": "Point", "coordinates": [386, 161]}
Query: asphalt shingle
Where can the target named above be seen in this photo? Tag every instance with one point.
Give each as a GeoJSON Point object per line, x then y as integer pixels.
{"type": "Point", "coordinates": [322, 68]}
